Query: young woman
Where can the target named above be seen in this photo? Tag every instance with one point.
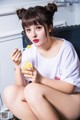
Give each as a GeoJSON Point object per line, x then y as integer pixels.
{"type": "Point", "coordinates": [54, 91]}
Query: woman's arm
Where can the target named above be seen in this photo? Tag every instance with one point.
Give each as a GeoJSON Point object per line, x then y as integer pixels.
{"type": "Point", "coordinates": [16, 57]}
{"type": "Point", "coordinates": [20, 80]}
{"type": "Point", "coordinates": [58, 85]}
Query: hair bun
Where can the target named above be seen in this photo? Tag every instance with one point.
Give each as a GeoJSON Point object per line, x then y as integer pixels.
{"type": "Point", "coordinates": [51, 7]}
{"type": "Point", "coordinates": [21, 13]}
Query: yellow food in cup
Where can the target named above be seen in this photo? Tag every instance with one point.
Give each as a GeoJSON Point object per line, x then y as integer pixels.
{"type": "Point", "coordinates": [27, 65]}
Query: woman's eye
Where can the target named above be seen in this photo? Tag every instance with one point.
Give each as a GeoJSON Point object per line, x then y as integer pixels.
{"type": "Point", "coordinates": [39, 28]}
{"type": "Point", "coordinates": [28, 30]}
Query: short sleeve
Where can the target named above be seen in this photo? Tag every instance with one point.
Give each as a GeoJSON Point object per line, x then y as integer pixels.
{"type": "Point", "coordinates": [70, 66]}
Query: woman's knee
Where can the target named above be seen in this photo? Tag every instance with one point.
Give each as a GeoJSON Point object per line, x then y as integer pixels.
{"type": "Point", "coordinates": [32, 92]}
{"type": "Point", "coordinates": [10, 93]}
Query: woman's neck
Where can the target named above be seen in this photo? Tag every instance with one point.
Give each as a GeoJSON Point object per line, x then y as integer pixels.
{"type": "Point", "coordinates": [47, 45]}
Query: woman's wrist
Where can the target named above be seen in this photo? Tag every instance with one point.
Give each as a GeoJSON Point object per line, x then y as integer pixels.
{"type": "Point", "coordinates": [16, 67]}
{"type": "Point", "coordinates": [41, 79]}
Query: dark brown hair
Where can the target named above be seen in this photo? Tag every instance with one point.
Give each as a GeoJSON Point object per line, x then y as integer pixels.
{"type": "Point", "coordinates": [37, 15]}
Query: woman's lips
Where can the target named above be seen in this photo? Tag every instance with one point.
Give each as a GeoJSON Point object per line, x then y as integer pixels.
{"type": "Point", "coordinates": [36, 40]}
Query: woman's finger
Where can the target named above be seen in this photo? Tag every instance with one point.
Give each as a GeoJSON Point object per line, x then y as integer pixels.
{"type": "Point", "coordinates": [13, 52]}
{"type": "Point", "coordinates": [27, 72]}
{"type": "Point", "coordinates": [16, 55]}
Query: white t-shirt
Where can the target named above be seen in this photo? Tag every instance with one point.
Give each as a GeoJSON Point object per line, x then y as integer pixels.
{"type": "Point", "coordinates": [64, 66]}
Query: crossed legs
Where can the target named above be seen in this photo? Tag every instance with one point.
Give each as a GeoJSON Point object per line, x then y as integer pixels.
{"type": "Point", "coordinates": [40, 102]}
{"type": "Point", "coordinates": [64, 106]}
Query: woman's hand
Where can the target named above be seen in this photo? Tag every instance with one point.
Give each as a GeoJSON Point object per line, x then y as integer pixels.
{"type": "Point", "coordinates": [32, 75]}
{"type": "Point", "coordinates": [16, 56]}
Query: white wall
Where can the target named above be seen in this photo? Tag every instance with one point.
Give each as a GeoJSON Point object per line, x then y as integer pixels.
{"type": "Point", "coordinates": [69, 13]}
{"type": "Point", "coordinates": [77, 12]}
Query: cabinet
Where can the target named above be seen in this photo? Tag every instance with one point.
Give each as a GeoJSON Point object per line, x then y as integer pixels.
{"type": "Point", "coordinates": [6, 65]}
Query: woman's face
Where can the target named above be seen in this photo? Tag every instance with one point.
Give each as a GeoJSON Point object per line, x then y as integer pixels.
{"type": "Point", "coordinates": [37, 35]}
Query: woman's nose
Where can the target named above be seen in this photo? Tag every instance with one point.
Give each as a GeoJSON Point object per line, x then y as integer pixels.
{"type": "Point", "coordinates": [34, 34]}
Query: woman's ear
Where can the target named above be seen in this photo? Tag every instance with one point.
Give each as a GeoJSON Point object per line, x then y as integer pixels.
{"type": "Point", "coordinates": [50, 28]}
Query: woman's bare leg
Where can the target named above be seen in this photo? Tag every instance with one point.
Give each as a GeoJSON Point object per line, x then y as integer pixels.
{"type": "Point", "coordinates": [14, 100]}
{"type": "Point", "coordinates": [39, 105]}
{"type": "Point", "coordinates": [40, 96]}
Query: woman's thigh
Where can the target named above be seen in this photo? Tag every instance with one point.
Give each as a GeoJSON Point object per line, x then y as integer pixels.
{"type": "Point", "coordinates": [12, 92]}
{"type": "Point", "coordinates": [15, 101]}
{"type": "Point", "coordinates": [67, 105]}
